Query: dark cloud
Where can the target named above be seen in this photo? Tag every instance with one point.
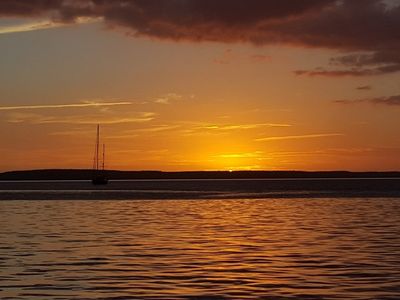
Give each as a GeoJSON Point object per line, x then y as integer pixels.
{"type": "Point", "coordinates": [390, 101]}
{"type": "Point", "coordinates": [28, 8]}
{"type": "Point", "coordinates": [337, 73]}
{"type": "Point", "coordinates": [368, 30]}
{"type": "Point", "coordinates": [377, 63]}
{"type": "Point", "coordinates": [393, 100]}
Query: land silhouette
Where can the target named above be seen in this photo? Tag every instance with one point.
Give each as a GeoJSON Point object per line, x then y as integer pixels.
{"type": "Point", "coordinates": [86, 174]}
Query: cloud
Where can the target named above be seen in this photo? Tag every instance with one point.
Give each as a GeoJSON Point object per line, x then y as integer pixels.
{"type": "Point", "coordinates": [201, 129]}
{"type": "Point", "coordinates": [346, 152]}
{"type": "Point", "coordinates": [255, 154]}
{"type": "Point", "coordinates": [367, 30]}
{"type": "Point", "coordinates": [40, 25]}
{"type": "Point", "coordinates": [71, 105]}
{"type": "Point", "coordinates": [73, 132]}
{"type": "Point", "coordinates": [364, 88]}
{"type": "Point", "coordinates": [80, 119]}
{"type": "Point", "coordinates": [297, 137]}
{"type": "Point", "coordinates": [228, 56]}
{"type": "Point", "coordinates": [337, 73]}
{"type": "Point", "coordinates": [240, 126]}
{"type": "Point", "coordinates": [168, 98]}
{"type": "Point", "coordinates": [29, 27]}
{"type": "Point", "coordinates": [378, 63]}
{"type": "Point", "coordinates": [390, 101]}
{"type": "Point", "coordinates": [29, 8]}
{"type": "Point", "coordinates": [260, 58]}
{"type": "Point", "coordinates": [159, 128]}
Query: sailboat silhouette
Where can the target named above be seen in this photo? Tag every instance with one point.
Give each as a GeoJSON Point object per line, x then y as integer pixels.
{"type": "Point", "coordinates": [99, 176]}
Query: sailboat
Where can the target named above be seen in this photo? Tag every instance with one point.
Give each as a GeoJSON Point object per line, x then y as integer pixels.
{"type": "Point", "coordinates": [99, 176]}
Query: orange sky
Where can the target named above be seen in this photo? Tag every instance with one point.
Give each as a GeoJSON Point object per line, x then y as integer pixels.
{"type": "Point", "coordinates": [192, 105]}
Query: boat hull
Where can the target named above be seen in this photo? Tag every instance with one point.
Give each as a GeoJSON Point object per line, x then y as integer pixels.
{"type": "Point", "coordinates": [99, 181]}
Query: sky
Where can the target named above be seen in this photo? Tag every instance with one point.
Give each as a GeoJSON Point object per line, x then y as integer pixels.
{"type": "Point", "coordinates": [200, 84]}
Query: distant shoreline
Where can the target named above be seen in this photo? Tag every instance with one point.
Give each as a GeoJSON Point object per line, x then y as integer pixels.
{"type": "Point", "coordinates": [85, 174]}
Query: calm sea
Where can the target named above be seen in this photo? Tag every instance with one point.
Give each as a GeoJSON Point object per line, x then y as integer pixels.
{"type": "Point", "coordinates": [209, 240]}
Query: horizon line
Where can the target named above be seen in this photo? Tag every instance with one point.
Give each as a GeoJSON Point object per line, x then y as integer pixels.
{"type": "Point", "coordinates": [205, 171]}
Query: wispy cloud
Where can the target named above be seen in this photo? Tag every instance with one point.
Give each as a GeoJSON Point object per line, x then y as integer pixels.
{"type": "Point", "coordinates": [297, 137]}
{"type": "Point", "coordinates": [215, 129]}
{"type": "Point", "coordinates": [389, 101]}
{"type": "Point", "coordinates": [73, 132]}
{"type": "Point", "coordinates": [255, 154]}
{"type": "Point", "coordinates": [241, 126]}
{"type": "Point", "coordinates": [257, 58]}
{"type": "Point", "coordinates": [158, 128]}
{"type": "Point", "coordinates": [70, 105]}
{"type": "Point", "coordinates": [323, 152]}
{"type": "Point", "coordinates": [42, 25]}
{"type": "Point", "coordinates": [339, 73]}
{"type": "Point", "coordinates": [29, 27]}
{"type": "Point", "coordinates": [83, 119]}
{"type": "Point", "coordinates": [364, 88]}
{"type": "Point", "coordinates": [168, 98]}
{"type": "Point", "coordinates": [229, 56]}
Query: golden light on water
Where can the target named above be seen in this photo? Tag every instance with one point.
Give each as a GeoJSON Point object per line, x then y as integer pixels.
{"type": "Point", "coordinates": [275, 247]}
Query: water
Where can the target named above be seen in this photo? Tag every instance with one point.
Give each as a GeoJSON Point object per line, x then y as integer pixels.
{"type": "Point", "coordinates": [201, 189]}
{"type": "Point", "coordinates": [275, 248]}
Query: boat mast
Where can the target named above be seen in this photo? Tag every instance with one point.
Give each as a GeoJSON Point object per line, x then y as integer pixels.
{"type": "Point", "coordinates": [97, 147]}
{"type": "Point", "coordinates": [104, 154]}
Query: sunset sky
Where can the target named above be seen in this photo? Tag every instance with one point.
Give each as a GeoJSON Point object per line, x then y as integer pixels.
{"type": "Point", "coordinates": [201, 84]}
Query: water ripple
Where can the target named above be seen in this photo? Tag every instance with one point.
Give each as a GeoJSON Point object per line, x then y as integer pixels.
{"type": "Point", "coordinates": [204, 249]}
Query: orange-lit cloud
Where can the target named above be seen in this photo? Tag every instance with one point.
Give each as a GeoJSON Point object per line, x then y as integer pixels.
{"type": "Point", "coordinates": [194, 129]}
{"type": "Point", "coordinates": [29, 27]}
{"type": "Point", "coordinates": [158, 128]}
{"type": "Point", "coordinates": [260, 58]}
{"type": "Point", "coordinates": [297, 137]}
{"type": "Point", "coordinates": [168, 98]}
{"type": "Point", "coordinates": [70, 105]}
{"type": "Point", "coordinates": [42, 25]}
{"type": "Point", "coordinates": [229, 56]}
{"type": "Point", "coordinates": [83, 119]}
{"type": "Point", "coordinates": [364, 88]}
{"type": "Point", "coordinates": [256, 154]}
{"type": "Point", "coordinates": [240, 126]}
{"type": "Point", "coordinates": [201, 129]}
